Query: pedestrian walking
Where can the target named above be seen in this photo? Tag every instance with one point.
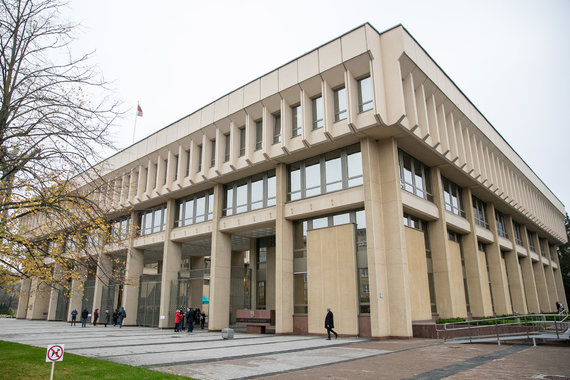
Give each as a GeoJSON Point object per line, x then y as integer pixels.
{"type": "Point", "coordinates": [202, 320]}
{"type": "Point", "coordinates": [106, 317]}
{"type": "Point", "coordinates": [122, 315]}
{"type": "Point", "coordinates": [329, 324]}
{"type": "Point", "coordinates": [95, 317]}
{"type": "Point", "coordinates": [115, 317]}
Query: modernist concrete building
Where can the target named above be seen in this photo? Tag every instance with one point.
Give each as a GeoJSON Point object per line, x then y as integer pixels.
{"type": "Point", "coordinates": [356, 177]}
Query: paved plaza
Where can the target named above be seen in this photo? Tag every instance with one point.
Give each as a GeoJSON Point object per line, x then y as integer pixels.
{"type": "Point", "coordinates": [205, 355]}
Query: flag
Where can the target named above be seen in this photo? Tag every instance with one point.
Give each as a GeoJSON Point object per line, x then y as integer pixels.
{"type": "Point", "coordinates": [139, 110]}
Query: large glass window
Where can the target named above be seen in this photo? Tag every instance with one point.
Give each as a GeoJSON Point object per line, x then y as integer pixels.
{"type": "Point", "coordinates": [120, 228]}
{"type": "Point", "coordinates": [452, 197]}
{"type": "Point", "coordinates": [258, 134]}
{"type": "Point", "coordinates": [531, 244]}
{"type": "Point", "coordinates": [199, 158]}
{"type": "Point", "coordinates": [196, 208]}
{"type": "Point", "coordinates": [518, 233]}
{"type": "Point", "coordinates": [250, 194]}
{"type": "Point", "coordinates": [365, 99]}
{"type": "Point", "coordinates": [276, 128]}
{"type": "Point", "coordinates": [337, 170]}
{"type": "Point", "coordinates": [242, 141]}
{"type": "Point", "coordinates": [296, 118]}
{"type": "Point", "coordinates": [501, 224]}
{"type": "Point", "coordinates": [227, 147]}
{"type": "Point", "coordinates": [414, 176]}
{"type": "Point", "coordinates": [153, 220]}
{"type": "Point", "coordinates": [340, 104]}
{"type": "Point", "coordinates": [479, 212]}
{"type": "Point", "coordinates": [317, 107]}
{"type": "Point", "coordinates": [212, 153]}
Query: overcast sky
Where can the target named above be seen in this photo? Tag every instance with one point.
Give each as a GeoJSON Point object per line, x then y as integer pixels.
{"type": "Point", "coordinates": [510, 58]}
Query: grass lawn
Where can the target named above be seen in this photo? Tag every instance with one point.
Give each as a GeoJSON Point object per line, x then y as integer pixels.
{"type": "Point", "coordinates": [19, 361]}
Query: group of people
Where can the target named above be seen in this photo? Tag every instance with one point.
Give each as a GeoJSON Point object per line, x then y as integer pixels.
{"type": "Point", "coordinates": [118, 316]}
{"type": "Point", "coordinates": [191, 317]}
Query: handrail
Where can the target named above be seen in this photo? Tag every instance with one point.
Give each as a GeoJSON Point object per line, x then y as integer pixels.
{"type": "Point", "coordinates": [531, 324]}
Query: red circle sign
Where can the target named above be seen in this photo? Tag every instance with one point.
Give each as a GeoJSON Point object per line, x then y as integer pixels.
{"type": "Point", "coordinates": [55, 353]}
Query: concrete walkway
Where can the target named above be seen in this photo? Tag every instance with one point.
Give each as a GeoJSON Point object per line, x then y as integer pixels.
{"type": "Point", "coordinates": [205, 355]}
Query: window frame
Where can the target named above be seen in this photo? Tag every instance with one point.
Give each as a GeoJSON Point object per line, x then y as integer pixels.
{"type": "Point", "coordinates": [365, 104]}
{"type": "Point", "coordinates": [340, 114]}
{"type": "Point", "coordinates": [317, 104]}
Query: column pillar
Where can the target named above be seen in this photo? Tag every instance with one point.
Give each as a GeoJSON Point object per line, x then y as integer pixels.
{"type": "Point", "coordinates": [515, 278]}
{"type": "Point", "coordinates": [549, 274]}
{"type": "Point", "coordinates": [102, 279]}
{"type": "Point", "coordinates": [39, 301]}
{"type": "Point", "coordinates": [386, 244]}
{"type": "Point", "coordinates": [540, 278]}
{"type": "Point", "coordinates": [220, 272]}
{"type": "Point", "coordinates": [528, 276]}
{"type": "Point", "coordinates": [76, 292]}
{"type": "Point", "coordinates": [284, 287]}
{"type": "Point", "coordinates": [497, 272]}
{"type": "Point", "coordinates": [477, 283]}
{"type": "Point", "coordinates": [442, 271]}
{"type": "Point", "coordinates": [54, 294]}
{"type": "Point", "coordinates": [171, 261]}
{"type": "Point", "coordinates": [24, 299]}
{"type": "Point", "coordinates": [561, 294]}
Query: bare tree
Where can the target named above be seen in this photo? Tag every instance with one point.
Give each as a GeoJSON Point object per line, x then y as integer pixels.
{"type": "Point", "coordinates": [52, 129]}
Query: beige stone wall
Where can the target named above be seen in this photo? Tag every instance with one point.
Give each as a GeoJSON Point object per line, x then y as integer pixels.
{"type": "Point", "coordinates": [417, 275]}
{"type": "Point", "coordinates": [331, 271]}
{"type": "Point", "coordinates": [486, 299]}
{"type": "Point", "coordinates": [457, 287]}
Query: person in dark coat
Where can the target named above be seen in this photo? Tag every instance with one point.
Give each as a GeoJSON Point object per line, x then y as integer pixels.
{"type": "Point", "coordinates": [190, 319]}
{"type": "Point", "coordinates": [95, 317]}
{"type": "Point", "coordinates": [74, 317]}
{"type": "Point", "coordinates": [84, 315]}
{"type": "Point", "coordinates": [202, 320]}
{"type": "Point", "coordinates": [122, 315]}
{"type": "Point", "coordinates": [329, 324]}
{"type": "Point", "coordinates": [115, 317]}
{"type": "Point", "coordinates": [107, 316]}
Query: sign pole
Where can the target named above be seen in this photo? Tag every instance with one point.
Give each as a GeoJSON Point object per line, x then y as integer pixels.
{"type": "Point", "coordinates": [52, 368]}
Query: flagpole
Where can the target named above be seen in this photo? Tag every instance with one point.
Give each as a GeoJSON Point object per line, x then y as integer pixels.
{"type": "Point", "coordinates": [135, 127]}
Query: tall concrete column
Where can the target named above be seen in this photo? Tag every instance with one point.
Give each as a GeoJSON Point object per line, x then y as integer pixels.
{"type": "Point", "coordinates": [39, 300]}
{"type": "Point", "coordinates": [284, 302]}
{"type": "Point", "coordinates": [133, 273]}
{"type": "Point", "coordinates": [54, 293]}
{"type": "Point", "coordinates": [220, 272]}
{"type": "Point", "coordinates": [441, 256]}
{"type": "Point", "coordinates": [171, 261]}
{"type": "Point", "coordinates": [540, 278]}
{"type": "Point", "coordinates": [386, 243]}
{"type": "Point", "coordinates": [24, 299]}
{"type": "Point", "coordinates": [76, 292]}
{"type": "Point", "coordinates": [102, 280]}
{"type": "Point", "coordinates": [528, 276]}
{"type": "Point", "coordinates": [550, 282]}
{"type": "Point", "coordinates": [499, 285]}
{"type": "Point", "coordinates": [477, 283]}
{"type": "Point", "coordinates": [561, 294]}
{"type": "Point", "coordinates": [516, 286]}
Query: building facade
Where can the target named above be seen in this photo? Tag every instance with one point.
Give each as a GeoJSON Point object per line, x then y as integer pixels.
{"type": "Point", "coordinates": [356, 177]}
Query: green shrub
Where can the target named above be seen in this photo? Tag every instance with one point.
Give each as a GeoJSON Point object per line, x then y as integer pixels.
{"type": "Point", "coordinates": [450, 320]}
